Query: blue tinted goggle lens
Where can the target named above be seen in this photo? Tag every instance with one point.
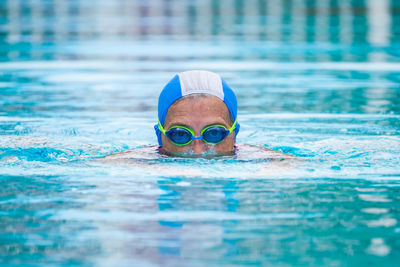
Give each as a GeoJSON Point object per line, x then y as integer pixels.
{"type": "Point", "coordinates": [215, 134]}
{"type": "Point", "coordinates": [179, 136]}
{"type": "Point", "coordinates": [182, 136]}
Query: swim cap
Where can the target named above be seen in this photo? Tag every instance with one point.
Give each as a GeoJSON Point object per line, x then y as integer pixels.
{"type": "Point", "coordinates": [195, 82]}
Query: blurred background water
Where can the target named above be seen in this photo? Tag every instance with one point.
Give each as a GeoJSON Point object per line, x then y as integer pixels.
{"type": "Point", "coordinates": [317, 79]}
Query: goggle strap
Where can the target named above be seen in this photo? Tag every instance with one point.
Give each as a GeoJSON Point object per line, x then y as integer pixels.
{"type": "Point", "coordinates": [233, 126]}
{"type": "Point", "coordinates": [160, 127]}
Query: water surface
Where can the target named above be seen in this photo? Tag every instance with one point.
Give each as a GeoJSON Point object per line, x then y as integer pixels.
{"type": "Point", "coordinates": [80, 81]}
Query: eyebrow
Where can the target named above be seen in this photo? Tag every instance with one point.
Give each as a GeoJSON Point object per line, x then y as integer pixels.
{"type": "Point", "coordinates": [179, 124]}
{"type": "Point", "coordinates": [187, 126]}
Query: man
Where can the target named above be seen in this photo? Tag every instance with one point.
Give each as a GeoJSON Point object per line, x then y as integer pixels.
{"type": "Point", "coordinates": [197, 116]}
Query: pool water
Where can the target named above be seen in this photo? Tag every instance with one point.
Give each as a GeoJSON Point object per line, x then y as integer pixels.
{"type": "Point", "coordinates": [317, 80]}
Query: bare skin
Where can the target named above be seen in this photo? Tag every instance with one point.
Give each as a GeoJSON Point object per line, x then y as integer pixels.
{"type": "Point", "coordinates": [197, 112]}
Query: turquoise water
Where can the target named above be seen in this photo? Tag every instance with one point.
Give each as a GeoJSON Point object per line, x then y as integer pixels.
{"type": "Point", "coordinates": [318, 80]}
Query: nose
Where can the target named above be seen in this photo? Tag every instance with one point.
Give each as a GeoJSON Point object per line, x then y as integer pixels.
{"type": "Point", "coordinates": [198, 146]}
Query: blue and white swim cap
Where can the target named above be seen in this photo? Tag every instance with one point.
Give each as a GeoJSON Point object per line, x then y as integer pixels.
{"type": "Point", "coordinates": [195, 82]}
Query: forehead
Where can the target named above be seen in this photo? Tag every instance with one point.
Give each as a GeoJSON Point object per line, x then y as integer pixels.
{"type": "Point", "coordinates": [198, 108]}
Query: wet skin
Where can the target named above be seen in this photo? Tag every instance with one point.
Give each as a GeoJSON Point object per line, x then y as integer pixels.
{"type": "Point", "coordinates": [197, 112]}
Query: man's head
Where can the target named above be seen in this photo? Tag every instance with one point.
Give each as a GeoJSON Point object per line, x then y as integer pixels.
{"type": "Point", "coordinates": [197, 113]}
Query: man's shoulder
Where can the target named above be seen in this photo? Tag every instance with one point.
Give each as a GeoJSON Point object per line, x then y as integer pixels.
{"type": "Point", "coordinates": [253, 152]}
{"type": "Point", "coordinates": [141, 152]}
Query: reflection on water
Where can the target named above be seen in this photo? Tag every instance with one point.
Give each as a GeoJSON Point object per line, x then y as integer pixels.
{"type": "Point", "coordinates": [31, 28]}
{"type": "Point", "coordinates": [319, 80]}
{"type": "Point", "coordinates": [342, 55]}
{"type": "Point", "coordinates": [336, 21]}
{"type": "Point", "coordinates": [184, 220]}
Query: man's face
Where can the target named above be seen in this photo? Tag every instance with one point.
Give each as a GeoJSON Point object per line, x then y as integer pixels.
{"type": "Point", "coordinates": [197, 112]}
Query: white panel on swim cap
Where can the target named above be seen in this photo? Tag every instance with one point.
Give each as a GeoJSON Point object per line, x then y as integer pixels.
{"type": "Point", "coordinates": [201, 82]}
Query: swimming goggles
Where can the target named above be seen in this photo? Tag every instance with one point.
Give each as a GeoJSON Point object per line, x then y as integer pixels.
{"type": "Point", "coordinates": [182, 135]}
